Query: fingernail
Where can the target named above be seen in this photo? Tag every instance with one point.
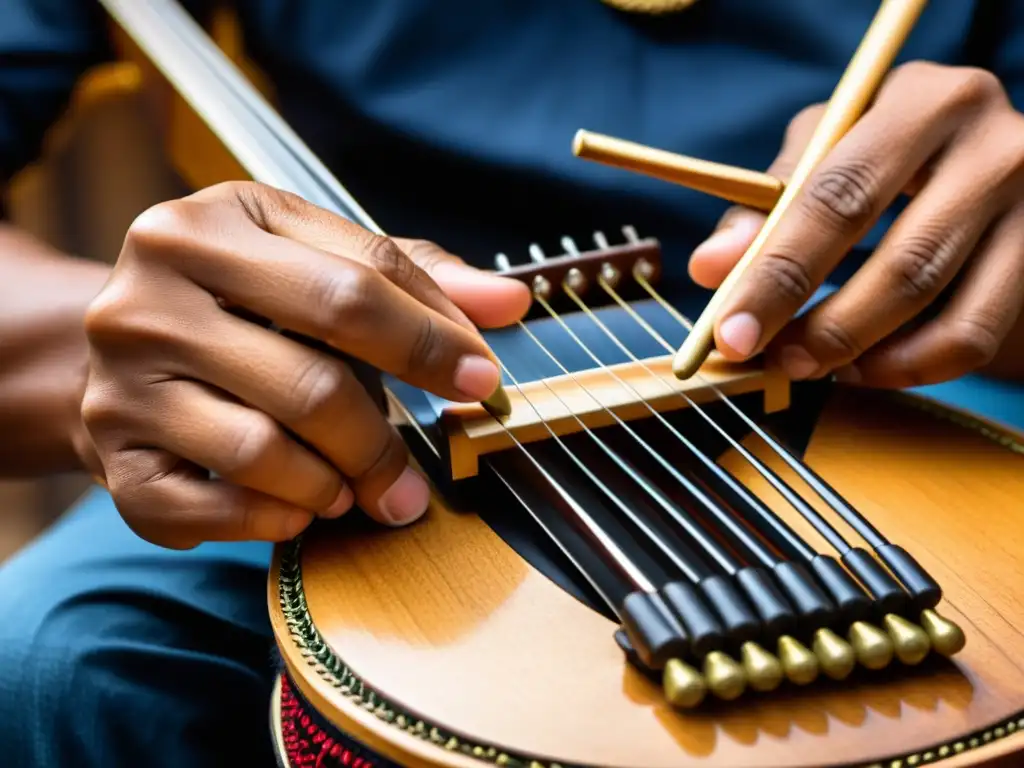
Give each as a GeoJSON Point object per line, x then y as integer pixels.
{"type": "Point", "coordinates": [797, 362]}
{"type": "Point", "coordinates": [406, 499]}
{"type": "Point", "coordinates": [736, 235]}
{"type": "Point", "coordinates": [848, 374]}
{"type": "Point", "coordinates": [342, 504]}
{"type": "Point", "coordinates": [476, 377]}
{"type": "Point", "coordinates": [741, 332]}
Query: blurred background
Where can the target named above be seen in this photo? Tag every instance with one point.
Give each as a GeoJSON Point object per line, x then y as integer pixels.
{"type": "Point", "coordinates": [127, 142]}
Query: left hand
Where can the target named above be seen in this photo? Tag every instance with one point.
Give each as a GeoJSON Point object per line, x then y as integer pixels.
{"type": "Point", "coordinates": [949, 138]}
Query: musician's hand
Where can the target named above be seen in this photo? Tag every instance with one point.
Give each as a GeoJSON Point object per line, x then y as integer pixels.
{"type": "Point", "coordinates": [950, 139]}
{"type": "Point", "coordinates": [181, 387]}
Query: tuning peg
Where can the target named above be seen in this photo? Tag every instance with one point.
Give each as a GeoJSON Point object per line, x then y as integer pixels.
{"type": "Point", "coordinates": [569, 246]}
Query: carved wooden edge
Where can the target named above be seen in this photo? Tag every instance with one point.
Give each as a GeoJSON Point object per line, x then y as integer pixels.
{"type": "Point", "coordinates": [304, 652]}
{"type": "Point", "coordinates": [360, 715]}
{"type": "Point", "coordinates": [998, 746]}
{"type": "Point", "coordinates": [564, 404]}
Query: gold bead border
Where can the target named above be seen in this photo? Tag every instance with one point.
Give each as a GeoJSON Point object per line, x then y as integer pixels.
{"type": "Point", "coordinates": [1007, 439]}
{"type": "Point", "coordinates": [954, 748]}
{"type": "Point", "coordinates": [329, 666]}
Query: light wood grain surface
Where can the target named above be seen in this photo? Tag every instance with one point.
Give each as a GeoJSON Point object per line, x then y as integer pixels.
{"type": "Point", "coordinates": [446, 620]}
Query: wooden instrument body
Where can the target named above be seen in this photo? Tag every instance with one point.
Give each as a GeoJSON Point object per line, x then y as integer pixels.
{"type": "Point", "coordinates": [448, 623]}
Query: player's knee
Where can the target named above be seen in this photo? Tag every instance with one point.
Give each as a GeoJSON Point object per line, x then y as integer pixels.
{"type": "Point", "coordinates": [52, 641]}
{"type": "Point", "coordinates": [98, 670]}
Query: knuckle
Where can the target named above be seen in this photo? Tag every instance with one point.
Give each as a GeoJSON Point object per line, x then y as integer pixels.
{"type": "Point", "coordinates": [923, 261]}
{"type": "Point", "coordinates": [236, 189]}
{"type": "Point", "coordinates": [100, 410]}
{"type": "Point", "coordinates": [427, 351]}
{"type": "Point", "coordinates": [384, 255]}
{"type": "Point", "coordinates": [250, 447]}
{"type": "Point", "coordinates": [840, 343]}
{"type": "Point", "coordinates": [960, 89]}
{"type": "Point", "coordinates": [144, 492]}
{"type": "Point", "coordinates": [124, 314]}
{"type": "Point", "coordinates": [973, 87]}
{"type": "Point", "coordinates": [318, 390]}
{"type": "Point", "coordinates": [975, 339]}
{"type": "Point", "coordinates": [344, 300]}
{"type": "Point", "coordinates": [159, 231]}
{"type": "Point", "coordinates": [106, 315]}
{"type": "Point", "coordinates": [786, 277]}
{"type": "Point", "coordinates": [390, 452]}
{"type": "Point", "coordinates": [845, 195]}
{"type": "Point", "coordinates": [262, 203]}
{"type": "Point", "coordinates": [426, 255]}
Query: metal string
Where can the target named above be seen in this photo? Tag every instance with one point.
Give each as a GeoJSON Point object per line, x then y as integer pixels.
{"type": "Point", "coordinates": [741, 533]}
{"type": "Point", "coordinates": [797, 542]}
{"type": "Point", "coordinates": [834, 500]}
{"type": "Point", "coordinates": [726, 562]}
{"type": "Point", "coordinates": [834, 538]}
{"type": "Point", "coordinates": [856, 521]}
{"type": "Point", "coordinates": [621, 558]}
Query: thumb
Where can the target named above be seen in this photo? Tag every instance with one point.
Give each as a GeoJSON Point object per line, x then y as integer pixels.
{"type": "Point", "coordinates": [713, 259]}
{"type": "Point", "coordinates": [487, 299]}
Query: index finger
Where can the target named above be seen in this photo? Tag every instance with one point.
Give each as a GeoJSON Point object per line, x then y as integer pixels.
{"type": "Point", "coordinates": [339, 301]}
{"type": "Point", "coordinates": [834, 209]}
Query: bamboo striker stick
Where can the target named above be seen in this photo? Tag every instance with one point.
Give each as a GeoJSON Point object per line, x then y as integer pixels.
{"type": "Point", "coordinates": [861, 80]}
{"type": "Point", "coordinates": [729, 182]}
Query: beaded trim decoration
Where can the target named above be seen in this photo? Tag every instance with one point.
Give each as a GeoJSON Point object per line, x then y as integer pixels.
{"type": "Point", "coordinates": [330, 667]}
{"type": "Point", "coordinates": [1003, 437]}
{"type": "Point", "coordinates": [307, 742]}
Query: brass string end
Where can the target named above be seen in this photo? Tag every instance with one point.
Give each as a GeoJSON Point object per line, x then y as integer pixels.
{"type": "Point", "coordinates": [763, 670]}
{"type": "Point", "coordinates": [873, 647]}
{"type": "Point", "coordinates": [910, 641]}
{"type": "Point", "coordinates": [799, 664]}
{"type": "Point", "coordinates": [498, 404]}
{"type": "Point", "coordinates": [683, 685]}
{"type": "Point", "coordinates": [835, 655]}
{"type": "Point", "coordinates": [725, 678]}
{"type": "Point", "coordinates": [946, 637]}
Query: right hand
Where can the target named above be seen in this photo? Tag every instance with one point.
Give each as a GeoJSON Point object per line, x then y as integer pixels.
{"type": "Point", "coordinates": [180, 387]}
